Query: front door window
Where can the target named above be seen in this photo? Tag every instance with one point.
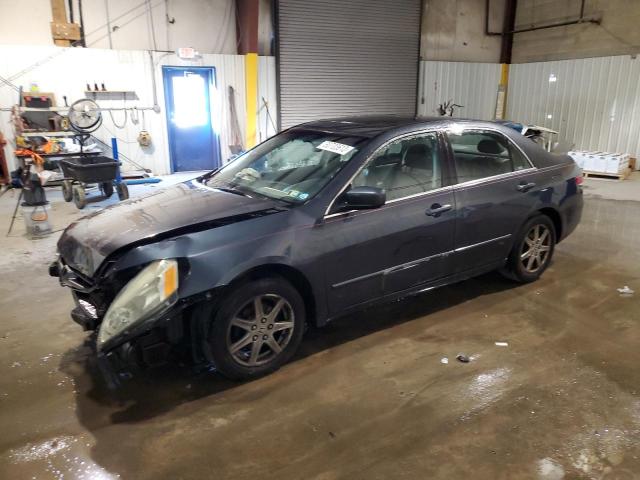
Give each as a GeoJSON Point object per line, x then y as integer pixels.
{"type": "Point", "coordinates": [405, 167]}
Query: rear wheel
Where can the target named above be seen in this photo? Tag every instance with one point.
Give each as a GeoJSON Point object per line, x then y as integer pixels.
{"type": "Point", "coordinates": [107, 189]}
{"type": "Point", "coordinates": [257, 328]}
{"type": "Point", "coordinates": [67, 190]}
{"type": "Point", "coordinates": [532, 251]}
{"type": "Point", "coordinates": [79, 196]}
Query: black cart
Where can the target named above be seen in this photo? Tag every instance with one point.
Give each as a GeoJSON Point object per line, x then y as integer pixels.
{"type": "Point", "coordinates": [81, 171]}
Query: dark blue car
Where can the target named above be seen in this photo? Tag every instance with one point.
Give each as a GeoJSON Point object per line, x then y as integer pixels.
{"type": "Point", "coordinates": [322, 219]}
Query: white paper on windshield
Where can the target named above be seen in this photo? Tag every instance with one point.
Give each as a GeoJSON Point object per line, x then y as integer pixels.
{"type": "Point", "coordinates": [339, 148]}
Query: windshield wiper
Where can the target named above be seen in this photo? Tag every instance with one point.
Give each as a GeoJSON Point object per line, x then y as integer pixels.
{"type": "Point", "coordinates": [232, 190]}
{"type": "Point", "coordinates": [236, 191]}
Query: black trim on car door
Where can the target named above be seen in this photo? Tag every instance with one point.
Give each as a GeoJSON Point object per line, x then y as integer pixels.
{"type": "Point", "coordinates": [449, 177]}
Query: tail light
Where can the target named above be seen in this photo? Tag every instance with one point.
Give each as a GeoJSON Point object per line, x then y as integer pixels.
{"type": "Point", "coordinates": [579, 180]}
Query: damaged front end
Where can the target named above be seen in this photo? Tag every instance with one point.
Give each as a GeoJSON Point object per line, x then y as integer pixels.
{"type": "Point", "coordinates": [136, 313]}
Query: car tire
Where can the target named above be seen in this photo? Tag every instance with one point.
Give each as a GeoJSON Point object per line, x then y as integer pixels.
{"type": "Point", "coordinates": [532, 251]}
{"type": "Point", "coordinates": [245, 343]}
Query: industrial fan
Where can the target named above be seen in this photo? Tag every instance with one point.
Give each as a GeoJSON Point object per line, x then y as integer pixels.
{"type": "Point", "coordinates": [85, 116]}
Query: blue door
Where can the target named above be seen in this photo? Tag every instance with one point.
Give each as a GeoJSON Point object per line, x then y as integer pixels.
{"type": "Point", "coordinates": [193, 142]}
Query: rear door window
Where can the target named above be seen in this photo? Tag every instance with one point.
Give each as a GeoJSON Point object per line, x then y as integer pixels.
{"type": "Point", "coordinates": [482, 154]}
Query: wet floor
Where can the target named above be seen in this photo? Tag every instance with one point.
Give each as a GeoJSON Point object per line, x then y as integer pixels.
{"type": "Point", "coordinates": [368, 397]}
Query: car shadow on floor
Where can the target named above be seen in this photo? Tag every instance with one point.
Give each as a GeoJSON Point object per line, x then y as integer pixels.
{"type": "Point", "coordinates": [160, 390]}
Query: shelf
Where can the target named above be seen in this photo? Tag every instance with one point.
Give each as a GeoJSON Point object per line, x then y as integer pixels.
{"type": "Point", "coordinates": [126, 94]}
{"type": "Point", "coordinates": [109, 91]}
{"type": "Point", "coordinates": [48, 134]}
{"type": "Point", "coordinates": [62, 154]}
{"type": "Point", "coordinates": [49, 109]}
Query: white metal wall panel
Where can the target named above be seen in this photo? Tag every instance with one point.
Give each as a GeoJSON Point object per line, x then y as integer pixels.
{"type": "Point", "coordinates": [229, 72]}
{"type": "Point", "coordinates": [66, 71]}
{"type": "Point", "coordinates": [267, 98]}
{"type": "Point", "coordinates": [353, 57]}
{"type": "Point", "coordinates": [594, 103]}
{"type": "Point", "coordinates": [473, 85]}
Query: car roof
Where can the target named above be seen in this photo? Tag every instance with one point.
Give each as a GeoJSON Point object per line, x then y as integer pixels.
{"type": "Point", "coordinates": [374, 125]}
{"type": "Point", "coordinates": [390, 126]}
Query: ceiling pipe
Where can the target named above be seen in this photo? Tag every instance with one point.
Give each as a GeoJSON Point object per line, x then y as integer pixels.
{"type": "Point", "coordinates": [506, 46]}
{"type": "Point", "coordinates": [106, 8]}
{"type": "Point", "coordinates": [83, 40]}
{"type": "Point", "coordinates": [595, 21]}
{"type": "Point", "coordinates": [577, 21]}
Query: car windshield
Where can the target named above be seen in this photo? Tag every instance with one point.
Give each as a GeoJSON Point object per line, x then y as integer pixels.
{"type": "Point", "coordinates": [293, 166]}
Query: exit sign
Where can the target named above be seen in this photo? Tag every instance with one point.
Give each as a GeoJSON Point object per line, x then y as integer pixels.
{"type": "Point", "coordinates": [187, 53]}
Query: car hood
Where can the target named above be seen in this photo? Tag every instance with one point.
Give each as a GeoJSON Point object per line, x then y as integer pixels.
{"type": "Point", "coordinates": [179, 209]}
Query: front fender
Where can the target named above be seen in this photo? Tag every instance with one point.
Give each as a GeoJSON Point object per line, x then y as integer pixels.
{"type": "Point", "coordinates": [208, 267]}
{"type": "Point", "coordinates": [254, 263]}
{"type": "Point", "coordinates": [206, 270]}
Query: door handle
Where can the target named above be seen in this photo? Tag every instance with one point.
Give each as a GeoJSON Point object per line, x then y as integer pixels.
{"type": "Point", "coordinates": [525, 187]}
{"type": "Point", "coordinates": [436, 209]}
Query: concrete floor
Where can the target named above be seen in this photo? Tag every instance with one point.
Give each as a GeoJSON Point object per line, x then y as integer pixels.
{"type": "Point", "coordinates": [367, 397]}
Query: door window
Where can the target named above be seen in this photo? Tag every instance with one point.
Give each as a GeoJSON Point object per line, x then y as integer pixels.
{"type": "Point", "coordinates": [482, 154]}
{"type": "Point", "coordinates": [404, 167]}
{"type": "Point", "coordinates": [189, 109]}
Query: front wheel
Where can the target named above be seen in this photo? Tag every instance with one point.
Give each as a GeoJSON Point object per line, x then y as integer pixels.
{"type": "Point", "coordinates": [123, 191]}
{"type": "Point", "coordinates": [257, 328]}
{"type": "Point", "coordinates": [79, 196]}
{"type": "Point", "coordinates": [532, 251]}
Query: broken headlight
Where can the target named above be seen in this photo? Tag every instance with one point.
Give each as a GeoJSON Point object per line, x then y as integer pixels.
{"type": "Point", "coordinates": [152, 290]}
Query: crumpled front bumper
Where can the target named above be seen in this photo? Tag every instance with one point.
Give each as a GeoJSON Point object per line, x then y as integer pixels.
{"type": "Point", "coordinates": [149, 349]}
{"type": "Point", "coordinates": [147, 345]}
{"type": "Point", "coordinates": [114, 368]}
{"type": "Point", "coordinates": [87, 312]}
{"type": "Point", "coordinates": [83, 319]}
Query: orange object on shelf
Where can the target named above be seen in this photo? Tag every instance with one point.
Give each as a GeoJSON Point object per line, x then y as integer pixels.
{"type": "Point", "coordinates": [50, 147]}
{"type": "Point", "coordinates": [37, 159]}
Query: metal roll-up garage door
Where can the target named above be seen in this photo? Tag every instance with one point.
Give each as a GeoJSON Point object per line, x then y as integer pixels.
{"type": "Point", "coordinates": [347, 57]}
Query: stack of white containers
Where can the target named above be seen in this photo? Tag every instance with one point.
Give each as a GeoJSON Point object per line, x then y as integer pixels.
{"type": "Point", "coordinates": [601, 162]}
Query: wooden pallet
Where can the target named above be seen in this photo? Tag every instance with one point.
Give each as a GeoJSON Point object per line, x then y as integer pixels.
{"type": "Point", "coordinates": [607, 176]}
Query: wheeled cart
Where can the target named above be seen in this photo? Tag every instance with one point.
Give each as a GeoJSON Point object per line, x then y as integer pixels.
{"type": "Point", "coordinates": [79, 172]}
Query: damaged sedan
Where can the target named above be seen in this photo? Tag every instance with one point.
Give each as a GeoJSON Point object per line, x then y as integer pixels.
{"type": "Point", "coordinates": [322, 219]}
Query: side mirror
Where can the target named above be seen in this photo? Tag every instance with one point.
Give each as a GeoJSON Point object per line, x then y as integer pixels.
{"type": "Point", "coordinates": [362, 198]}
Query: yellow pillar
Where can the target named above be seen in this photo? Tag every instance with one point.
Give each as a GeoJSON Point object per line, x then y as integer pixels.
{"type": "Point", "coordinates": [501, 107]}
{"type": "Point", "coordinates": [251, 101]}
{"type": "Point", "coordinates": [504, 75]}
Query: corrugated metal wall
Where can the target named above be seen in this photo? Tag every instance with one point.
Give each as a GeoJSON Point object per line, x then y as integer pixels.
{"type": "Point", "coordinates": [353, 57]}
{"type": "Point", "coordinates": [594, 103]}
{"type": "Point", "coordinates": [474, 85]}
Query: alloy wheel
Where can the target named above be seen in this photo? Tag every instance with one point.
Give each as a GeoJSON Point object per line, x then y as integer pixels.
{"type": "Point", "coordinates": [536, 248]}
{"type": "Point", "coordinates": [260, 330]}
